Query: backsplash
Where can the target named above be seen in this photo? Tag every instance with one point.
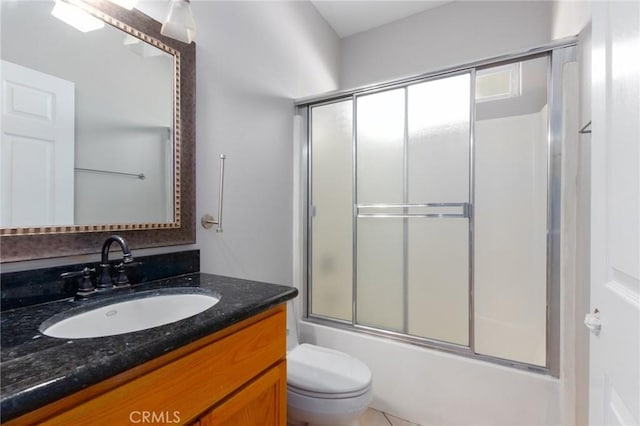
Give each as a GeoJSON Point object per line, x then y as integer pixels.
{"type": "Point", "coordinates": [25, 288]}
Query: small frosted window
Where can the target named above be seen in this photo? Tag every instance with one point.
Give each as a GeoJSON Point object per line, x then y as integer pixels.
{"type": "Point", "coordinates": [498, 83]}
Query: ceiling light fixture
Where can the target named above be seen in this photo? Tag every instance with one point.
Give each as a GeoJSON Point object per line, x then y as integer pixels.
{"type": "Point", "coordinates": [179, 24]}
{"type": "Point", "coordinates": [76, 17]}
{"type": "Point", "coordinates": [140, 48]}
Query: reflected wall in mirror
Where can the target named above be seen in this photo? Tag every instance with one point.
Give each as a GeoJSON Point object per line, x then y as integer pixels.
{"type": "Point", "coordinates": [104, 139]}
{"type": "Point", "coordinates": [97, 131]}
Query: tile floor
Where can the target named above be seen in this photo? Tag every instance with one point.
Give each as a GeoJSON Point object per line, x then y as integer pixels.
{"type": "Point", "coordinates": [373, 417]}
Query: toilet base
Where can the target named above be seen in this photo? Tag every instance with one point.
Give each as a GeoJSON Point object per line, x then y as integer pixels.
{"type": "Point", "coordinates": [300, 423]}
{"type": "Point", "coordinates": [353, 423]}
{"type": "Point", "coordinates": [303, 410]}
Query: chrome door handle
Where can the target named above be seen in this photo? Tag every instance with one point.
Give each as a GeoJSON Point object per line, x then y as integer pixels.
{"type": "Point", "coordinates": [593, 322]}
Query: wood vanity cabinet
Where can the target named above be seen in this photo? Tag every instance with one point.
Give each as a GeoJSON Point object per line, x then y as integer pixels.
{"type": "Point", "coordinates": [236, 376]}
{"type": "Point", "coordinates": [261, 402]}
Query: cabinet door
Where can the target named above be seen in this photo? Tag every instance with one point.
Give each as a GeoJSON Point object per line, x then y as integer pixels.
{"type": "Point", "coordinates": [263, 402]}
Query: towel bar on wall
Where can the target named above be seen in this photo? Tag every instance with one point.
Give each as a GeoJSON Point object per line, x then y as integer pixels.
{"type": "Point", "coordinates": [110, 172]}
{"type": "Point", "coordinates": [207, 220]}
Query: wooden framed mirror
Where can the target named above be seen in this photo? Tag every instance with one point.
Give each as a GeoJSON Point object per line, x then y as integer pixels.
{"type": "Point", "coordinates": [132, 162]}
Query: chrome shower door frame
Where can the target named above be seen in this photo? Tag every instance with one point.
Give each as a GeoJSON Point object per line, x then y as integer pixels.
{"type": "Point", "coordinates": [558, 55]}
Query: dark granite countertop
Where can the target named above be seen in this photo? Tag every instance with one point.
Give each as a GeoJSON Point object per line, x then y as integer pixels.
{"type": "Point", "coordinates": [36, 369]}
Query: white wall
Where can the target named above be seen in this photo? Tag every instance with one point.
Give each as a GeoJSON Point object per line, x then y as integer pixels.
{"type": "Point", "coordinates": [571, 18]}
{"type": "Point", "coordinates": [583, 233]}
{"type": "Point", "coordinates": [253, 59]}
{"type": "Point", "coordinates": [453, 34]}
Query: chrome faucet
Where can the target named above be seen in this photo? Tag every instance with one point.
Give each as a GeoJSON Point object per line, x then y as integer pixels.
{"type": "Point", "coordinates": [105, 281]}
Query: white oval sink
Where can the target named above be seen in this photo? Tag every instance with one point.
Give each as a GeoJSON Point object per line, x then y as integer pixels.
{"type": "Point", "coordinates": [128, 316]}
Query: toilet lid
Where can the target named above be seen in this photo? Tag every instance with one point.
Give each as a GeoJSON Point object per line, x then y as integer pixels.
{"type": "Point", "coordinates": [322, 370]}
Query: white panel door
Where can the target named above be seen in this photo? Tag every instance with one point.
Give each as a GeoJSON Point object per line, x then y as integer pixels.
{"type": "Point", "coordinates": [37, 156]}
{"type": "Point", "coordinates": [615, 215]}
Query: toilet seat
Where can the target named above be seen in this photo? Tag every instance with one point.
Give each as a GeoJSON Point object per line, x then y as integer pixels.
{"type": "Point", "coordinates": [325, 373]}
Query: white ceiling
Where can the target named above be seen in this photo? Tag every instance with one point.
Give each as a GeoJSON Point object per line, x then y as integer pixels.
{"type": "Point", "coordinates": [348, 17]}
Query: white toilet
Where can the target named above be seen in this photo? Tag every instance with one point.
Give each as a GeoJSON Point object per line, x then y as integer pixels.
{"type": "Point", "coordinates": [324, 386]}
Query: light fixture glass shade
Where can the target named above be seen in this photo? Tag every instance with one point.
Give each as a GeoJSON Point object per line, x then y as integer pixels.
{"type": "Point", "coordinates": [127, 4]}
{"type": "Point", "coordinates": [141, 48]}
{"type": "Point", "coordinates": [179, 24]}
{"type": "Point", "coordinates": [76, 17]}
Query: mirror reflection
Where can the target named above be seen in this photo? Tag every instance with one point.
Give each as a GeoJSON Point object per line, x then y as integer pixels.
{"type": "Point", "coordinates": [87, 123]}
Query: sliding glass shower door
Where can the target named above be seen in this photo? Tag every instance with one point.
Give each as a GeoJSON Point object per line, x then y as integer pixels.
{"type": "Point", "coordinates": [433, 210]}
{"type": "Point", "coordinates": [412, 197]}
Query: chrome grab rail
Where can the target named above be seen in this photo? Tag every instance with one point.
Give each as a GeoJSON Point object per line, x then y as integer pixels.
{"type": "Point", "coordinates": [207, 220]}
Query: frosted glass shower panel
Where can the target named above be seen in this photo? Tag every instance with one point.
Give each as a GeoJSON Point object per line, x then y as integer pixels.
{"type": "Point", "coordinates": [331, 210]}
{"type": "Point", "coordinates": [438, 279]}
{"type": "Point", "coordinates": [435, 210]}
{"type": "Point", "coordinates": [510, 221]}
{"type": "Point", "coordinates": [380, 288]}
{"type": "Point", "coordinates": [438, 130]}
{"type": "Point", "coordinates": [380, 132]}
